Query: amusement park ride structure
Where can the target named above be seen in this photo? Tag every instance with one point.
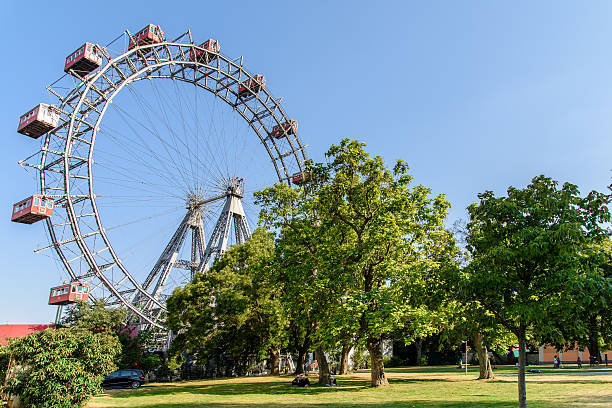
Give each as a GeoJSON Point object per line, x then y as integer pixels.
{"type": "Point", "coordinates": [67, 201]}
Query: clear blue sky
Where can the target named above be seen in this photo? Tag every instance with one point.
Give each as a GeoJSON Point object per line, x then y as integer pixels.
{"type": "Point", "coordinates": [474, 95]}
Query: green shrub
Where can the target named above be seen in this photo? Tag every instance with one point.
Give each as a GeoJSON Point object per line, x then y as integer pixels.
{"type": "Point", "coordinates": [4, 361]}
{"type": "Point", "coordinates": [361, 358]}
{"type": "Point", "coordinates": [60, 368]}
{"type": "Point", "coordinates": [394, 361]}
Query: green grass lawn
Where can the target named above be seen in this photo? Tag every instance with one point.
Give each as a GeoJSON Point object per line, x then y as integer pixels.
{"type": "Point", "coordinates": [445, 387]}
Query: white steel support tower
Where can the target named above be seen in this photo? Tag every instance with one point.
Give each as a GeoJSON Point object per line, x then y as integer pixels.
{"type": "Point", "coordinates": [232, 211]}
{"type": "Point", "coordinates": [169, 258]}
{"type": "Point", "coordinates": [200, 257]}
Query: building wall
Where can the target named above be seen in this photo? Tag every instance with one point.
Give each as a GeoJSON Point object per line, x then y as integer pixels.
{"type": "Point", "coordinates": [11, 331]}
{"type": "Point", "coordinates": [547, 354]}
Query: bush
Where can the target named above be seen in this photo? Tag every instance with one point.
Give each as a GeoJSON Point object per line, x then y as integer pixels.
{"type": "Point", "coordinates": [394, 361]}
{"type": "Point", "coordinates": [60, 368]}
{"type": "Point", "coordinates": [4, 362]}
{"type": "Point", "coordinates": [361, 358]}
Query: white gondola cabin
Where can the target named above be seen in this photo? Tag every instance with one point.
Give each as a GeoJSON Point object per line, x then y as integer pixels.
{"type": "Point", "coordinates": [69, 293]}
{"type": "Point", "coordinates": [38, 121]}
{"type": "Point", "coordinates": [32, 209]}
{"type": "Point", "coordinates": [84, 60]}
{"type": "Point", "coordinates": [151, 34]}
{"type": "Point", "coordinates": [255, 84]}
{"type": "Point", "coordinates": [211, 49]}
{"type": "Point", "coordinates": [287, 128]}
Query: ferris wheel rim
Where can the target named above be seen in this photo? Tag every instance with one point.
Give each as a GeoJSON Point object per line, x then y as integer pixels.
{"type": "Point", "coordinates": [276, 112]}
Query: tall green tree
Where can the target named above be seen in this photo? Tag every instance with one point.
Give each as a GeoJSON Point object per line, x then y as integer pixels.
{"type": "Point", "coordinates": [527, 259]}
{"type": "Point", "coordinates": [98, 317]}
{"type": "Point", "coordinates": [381, 237]}
{"type": "Point", "coordinates": [233, 309]}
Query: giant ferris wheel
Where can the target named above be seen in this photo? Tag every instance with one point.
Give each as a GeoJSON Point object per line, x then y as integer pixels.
{"type": "Point", "coordinates": [147, 164]}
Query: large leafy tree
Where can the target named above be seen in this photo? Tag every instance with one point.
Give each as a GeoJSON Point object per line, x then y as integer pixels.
{"type": "Point", "coordinates": [527, 259]}
{"type": "Point", "coordinates": [98, 317]}
{"type": "Point", "coordinates": [60, 368]}
{"type": "Point", "coordinates": [380, 238]}
{"type": "Point", "coordinates": [234, 309]}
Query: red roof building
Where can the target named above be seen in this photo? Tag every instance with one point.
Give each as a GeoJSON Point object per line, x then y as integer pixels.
{"type": "Point", "coordinates": [11, 331]}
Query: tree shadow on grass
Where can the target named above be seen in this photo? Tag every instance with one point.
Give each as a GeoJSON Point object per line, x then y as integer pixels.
{"type": "Point", "coordinates": [266, 387]}
{"type": "Point", "coordinates": [347, 404]}
{"type": "Point", "coordinates": [530, 381]}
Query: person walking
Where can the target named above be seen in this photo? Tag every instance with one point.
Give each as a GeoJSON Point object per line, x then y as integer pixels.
{"type": "Point", "coordinates": [579, 361]}
{"type": "Point", "coordinates": [556, 362]}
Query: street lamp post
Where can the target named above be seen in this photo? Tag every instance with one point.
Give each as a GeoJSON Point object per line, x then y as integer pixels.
{"type": "Point", "coordinates": [466, 362]}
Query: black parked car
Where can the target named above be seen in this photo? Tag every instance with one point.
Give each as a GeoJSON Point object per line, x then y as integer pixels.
{"type": "Point", "coordinates": [124, 378]}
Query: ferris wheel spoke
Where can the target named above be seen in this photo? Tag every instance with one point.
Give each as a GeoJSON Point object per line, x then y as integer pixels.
{"type": "Point", "coordinates": [130, 120]}
{"type": "Point", "coordinates": [126, 176]}
{"type": "Point", "coordinates": [171, 132]}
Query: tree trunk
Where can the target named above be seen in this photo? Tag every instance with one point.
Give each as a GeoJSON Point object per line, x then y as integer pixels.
{"type": "Point", "coordinates": [344, 359]}
{"type": "Point", "coordinates": [274, 361]}
{"type": "Point", "coordinates": [522, 390]}
{"type": "Point", "coordinates": [376, 358]}
{"type": "Point", "coordinates": [594, 349]}
{"type": "Point", "coordinates": [301, 360]}
{"type": "Point", "coordinates": [323, 366]}
{"type": "Point", "coordinates": [419, 350]}
{"type": "Point", "coordinates": [486, 372]}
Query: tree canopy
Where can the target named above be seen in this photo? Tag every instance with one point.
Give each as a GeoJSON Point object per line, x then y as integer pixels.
{"type": "Point", "coordinates": [377, 240]}
{"type": "Point", "coordinates": [528, 252]}
{"type": "Point", "coordinates": [233, 311]}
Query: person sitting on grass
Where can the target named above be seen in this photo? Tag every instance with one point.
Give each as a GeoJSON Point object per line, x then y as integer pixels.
{"type": "Point", "coordinates": [301, 381]}
{"type": "Point", "coordinates": [332, 382]}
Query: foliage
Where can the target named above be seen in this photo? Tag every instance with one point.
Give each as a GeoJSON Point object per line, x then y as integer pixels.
{"type": "Point", "coordinates": [95, 316]}
{"type": "Point", "coordinates": [528, 253]}
{"type": "Point", "coordinates": [98, 317]}
{"type": "Point", "coordinates": [60, 368]}
{"type": "Point", "coordinates": [134, 350]}
{"type": "Point", "coordinates": [366, 243]}
{"type": "Point", "coordinates": [4, 363]}
{"type": "Point", "coordinates": [233, 309]}
{"type": "Point", "coordinates": [361, 358]}
{"type": "Point", "coordinates": [598, 312]}
{"type": "Point", "coordinates": [396, 361]}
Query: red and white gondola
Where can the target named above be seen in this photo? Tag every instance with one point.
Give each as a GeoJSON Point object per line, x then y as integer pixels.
{"type": "Point", "coordinates": [32, 209]}
{"type": "Point", "coordinates": [286, 128]}
{"type": "Point", "coordinates": [253, 85]}
{"type": "Point", "coordinates": [38, 121]}
{"type": "Point", "coordinates": [151, 34]}
{"type": "Point", "coordinates": [85, 59]}
{"type": "Point", "coordinates": [69, 293]}
{"type": "Point", "coordinates": [211, 49]}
